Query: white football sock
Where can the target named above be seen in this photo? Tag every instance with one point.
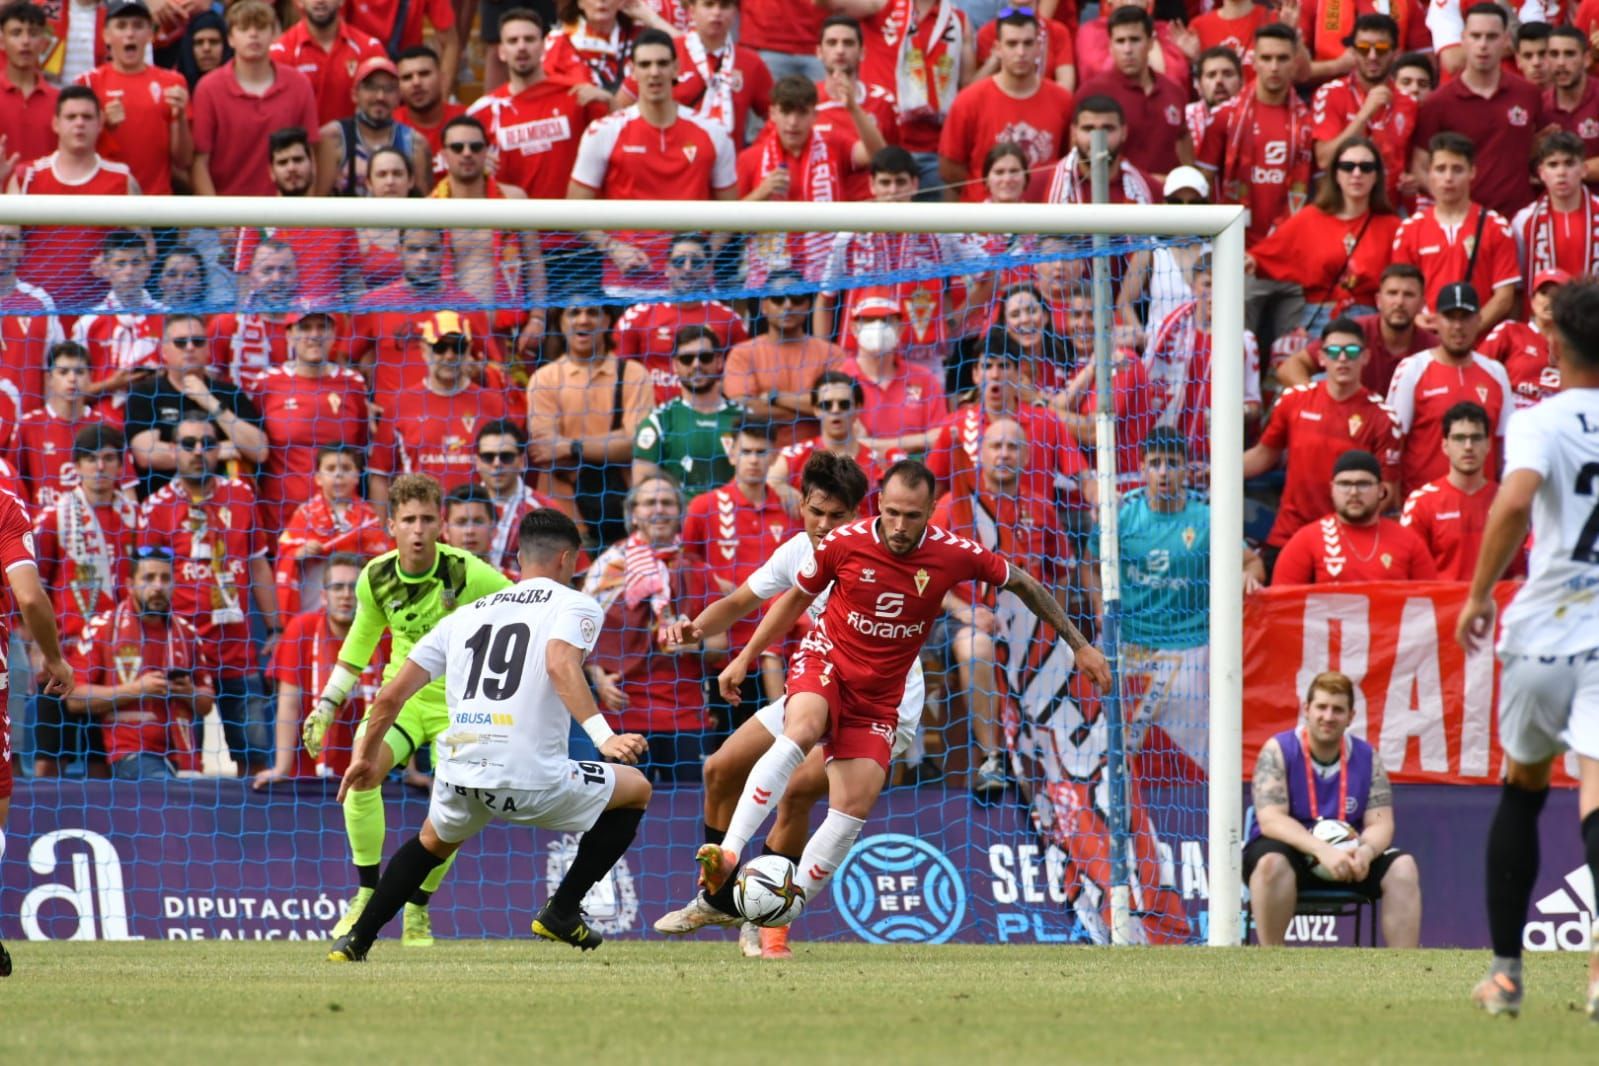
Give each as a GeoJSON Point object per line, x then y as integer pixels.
{"type": "Point", "coordinates": [826, 849]}
{"type": "Point", "coordinates": [763, 789]}
{"type": "Point", "coordinates": [2, 843]}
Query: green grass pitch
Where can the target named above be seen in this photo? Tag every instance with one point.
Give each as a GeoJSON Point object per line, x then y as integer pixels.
{"type": "Point", "coordinates": [466, 1003]}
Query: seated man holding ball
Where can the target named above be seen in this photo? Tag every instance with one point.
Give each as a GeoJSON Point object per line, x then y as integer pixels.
{"type": "Point", "coordinates": [1315, 773]}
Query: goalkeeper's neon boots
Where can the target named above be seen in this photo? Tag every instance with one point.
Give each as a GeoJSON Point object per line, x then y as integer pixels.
{"type": "Point", "coordinates": [1498, 994]}
{"type": "Point", "coordinates": [418, 930]}
{"type": "Point", "coordinates": [696, 915]}
{"type": "Point", "coordinates": [351, 916]}
{"type": "Point", "coordinates": [345, 950]}
{"type": "Point", "coordinates": [5, 962]}
{"type": "Point", "coordinates": [717, 866]}
{"type": "Point", "coordinates": [567, 928]}
{"type": "Point", "coordinates": [774, 943]}
{"type": "Point", "coordinates": [749, 940]}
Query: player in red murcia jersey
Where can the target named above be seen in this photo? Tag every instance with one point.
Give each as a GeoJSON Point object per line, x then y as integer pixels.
{"type": "Point", "coordinates": [888, 578]}
{"type": "Point", "coordinates": [20, 571]}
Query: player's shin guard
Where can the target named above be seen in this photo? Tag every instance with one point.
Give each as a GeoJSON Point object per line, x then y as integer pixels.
{"type": "Point", "coordinates": [1512, 866]}
{"type": "Point", "coordinates": [405, 872]}
{"type": "Point", "coordinates": [597, 852]}
{"type": "Point", "coordinates": [436, 878]}
{"type": "Point", "coordinates": [365, 825]}
{"type": "Point", "coordinates": [827, 848]}
{"type": "Point", "coordinates": [762, 790]}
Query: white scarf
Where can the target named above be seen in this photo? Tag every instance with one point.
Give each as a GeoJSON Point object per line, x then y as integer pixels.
{"type": "Point", "coordinates": [225, 607]}
{"type": "Point", "coordinates": [1067, 187]}
{"type": "Point", "coordinates": [1168, 361]}
{"type": "Point", "coordinates": [612, 49]}
{"type": "Point", "coordinates": [86, 545]}
{"type": "Point", "coordinates": [926, 91]}
{"type": "Point", "coordinates": [510, 516]}
{"type": "Point", "coordinates": [1542, 245]}
{"type": "Point", "coordinates": [717, 103]}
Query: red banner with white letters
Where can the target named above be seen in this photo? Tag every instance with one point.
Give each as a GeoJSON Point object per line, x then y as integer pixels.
{"type": "Point", "coordinates": [1428, 709]}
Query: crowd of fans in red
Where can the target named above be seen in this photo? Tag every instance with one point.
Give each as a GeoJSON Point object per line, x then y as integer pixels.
{"type": "Point", "coordinates": [231, 405]}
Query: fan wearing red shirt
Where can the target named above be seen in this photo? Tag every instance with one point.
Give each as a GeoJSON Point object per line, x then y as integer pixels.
{"type": "Point", "coordinates": [42, 450]}
{"type": "Point", "coordinates": [1017, 105]}
{"type": "Point", "coordinates": [122, 332]}
{"type": "Point", "coordinates": [334, 519]}
{"type": "Point", "coordinates": [1054, 57]}
{"type": "Point", "coordinates": [306, 405]}
{"type": "Point", "coordinates": [432, 430]}
{"type": "Point", "coordinates": [534, 120]}
{"type": "Point", "coordinates": [60, 259]}
{"type": "Point", "coordinates": [1559, 231]}
{"type": "Point", "coordinates": [1572, 98]}
{"type": "Point", "coordinates": [301, 665]}
{"type": "Point", "coordinates": [1093, 54]}
{"type": "Point", "coordinates": [1151, 105]}
{"type": "Point", "coordinates": [249, 342]}
{"type": "Point", "coordinates": [724, 82]}
{"type": "Point", "coordinates": [1450, 514]}
{"type": "Point", "coordinates": [1428, 384]}
{"type": "Point", "coordinates": [647, 331]}
{"type": "Point", "coordinates": [28, 322]}
{"type": "Point", "coordinates": [901, 397]}
{"type": "Point", "coordinates": [922, 52]}
{"type": "Point", "coordinates": [1354, 542]}
{"type": "Point", "coordinates": [1457, 233]}
{"type": "Point", "coordinates": [654, 150]}
{"type": "Point", "coordinates": [27, 100]}
{"type": "Point", "coordinates": [889, 577]}
{"type": "Point", "coordinates": [848, 108]}
{"type": "Point", "coordinates": [1523, 347]}
{"type": "Point", "coordinates": [1496, 111]}
{"type": "Point", "coordinates": [146, 108]}
{"type": "Point", "coordinates": [1313, 424]}
{"type": "Point", "coordinates": [327, 50]}
{"type": "Point", "coordinates": [326, 260]}
{"type": "Point", "coordinates": [381, 19]}
{"type": "Point", "coordinates": [1390, 335]}
{"type": "Point", "coordinates": [837, 399]}
{"type": "Point", "coordinates": [737, 527]}
{"type": "Point", "coordinates": [1365, 104]}
{"type": "Point", "coordinates": [425, 108]}
{"type": "Point", "coordinates": [1257, 148]}
{"type": "Point", "coordinates": [238, 105]}
{"type": "Point", "coordinates": [1326, 27]}
{"type": "Point", "coordinates": [1232, 25]}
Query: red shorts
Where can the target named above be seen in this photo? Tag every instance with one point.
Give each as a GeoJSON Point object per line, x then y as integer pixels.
{"type": "Point", "coordinates": [857, 727]}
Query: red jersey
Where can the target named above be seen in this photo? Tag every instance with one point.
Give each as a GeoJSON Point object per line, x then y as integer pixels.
{"type": "Point", "coordinates": [388, 333]}
{"type": "Point", "coordinates": [573, 56]}
{"type": "Point", "coordinates": [1331, 551]}
{"type": "Point", "coordinates": [1324, 25]}
{"type": "Point", "coordinates": [381, 19]}
{"type": "Point", "coordinates": [834, 123]}
{"type": "Point", "coordinates": [119, 337]}
{"type": "Point", "coordinates": [331, 71]}
{"type": "Point", "coordinates": [798, 454]}
{"type": "Point", "coordinates": [883, 606]}
{"type": "Point", "coordinates": [1424, 388]}
{"type": "Point", "coordinates": [1451, 522]}
{"type": "Point", "coordinates": [1215, 30]}
{"type": "Point", "coordinates": [1053, 459]}
{"type": "Point", "coordinates": [624, 157]}
{"type": "Point", "coordinates": [536, 133]}
{"type": "Point", "coordinates": [924, 331]}
{"type": "Point", "coordinates": [28, 118]}
{"type": "Point", "coordinates": [1335, 260]}
{"type": "Point", "coordinates": [232, 127]}
{"type": "Point", "coordinates": [84, 557]}
{"type": "Point", "coordinates": [436, 435]}
{"type": "Point", "coordinates": [1135, 402]}
{"type": "Point", "coordinates": [1392, 129]}
{"type": "Point", "coordinates": [917, 58]}
{"type": "Point", "coordinates": [1057, 40]}
{"type": "Point", "coordinates": [984, 115]}
{"type": "Point", "coordinates": [16, 549]}
{"type": "Point", "coordinates": [1547, 239]}
{"type": "Point", "coordinates": [60, 259]}
{"type": "Point", "coordinates": [143, 140]}
{"type": "Point", "coordinates": [1026, 525]}
{"type": "Point", "coordinates": [781, 26]}
{"type": "Point", "coordinates": [1583, 119]}
{"type": "Point", "coordinates": [1155, 113]}
{"type": "Point", "coordinates": [1260, 155]}
{"type": "Point", "coordinates": [1525, 355]}
{"type": "Point", "coordinates": [28, 327]}
{"type": "Point", "coordinates": [300, 415]}
{"type": "Point", "coordinates": [213, 541]}
{"type": "Point", "coordinates": [358, 530]}
{"type": "Point", "coordinates": [724, 86]}
{"type": "Point", "coordinates": [42, 453]}
{"type": "Point", "coordinates": [645, 332]}
{"type": "Point", "coordinates": [1178, 361]}
{"type": "Point", "coordinates": [434, 135]}
{"type": "Point", "coordinates": [909, 402]}
{"type": "Point", "coordinates": [735, 537]}
{"type": "Point", "coordinates": [817, 174]}
{"type": "Point", "coordinates": [246, 345]}
{"type": "Point", "coordinates": [119, 647]}
{"type": "Point", "coordinates": [504, 548]}
{"type": "Point", "coordinates": [304, 658]}
{"type": "Point", "coordinates": [1382, 361]}
{"type": "Point", "coordinates": [1312, 430]}
{"type": "Point", "coordinates": [1504, 127]}
{"type": "Point", "coordinates": [1443, 252]}
{"type": "Point", "coordinates": [322, 258]}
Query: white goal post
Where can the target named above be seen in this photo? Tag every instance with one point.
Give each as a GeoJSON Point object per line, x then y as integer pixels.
{"type": "Point", "coordinates": [1222, 224]}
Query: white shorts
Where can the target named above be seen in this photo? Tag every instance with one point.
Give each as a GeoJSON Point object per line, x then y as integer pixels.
{"type": "Point", "coordinates": [910, 711]}
{"type": "Point", "coordinates": [1170, 689]}
{"type": "Point", "coordinates": [572, 804]}
{"type": "Point", "coordinates": [1548, 704]}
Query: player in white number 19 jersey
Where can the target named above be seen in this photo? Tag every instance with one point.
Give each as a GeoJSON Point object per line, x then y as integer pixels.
{"type": "Point", "coordinates": [513, 668]}
{"type": "Point", "coordinates": [1549, 643]}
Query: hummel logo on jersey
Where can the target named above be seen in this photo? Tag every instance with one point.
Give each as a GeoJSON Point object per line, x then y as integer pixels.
{"type": "Point", "coordinates": [868, 576]}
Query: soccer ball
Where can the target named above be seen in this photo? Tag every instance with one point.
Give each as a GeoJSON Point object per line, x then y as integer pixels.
{"type": "Point", "coordinates": [765, 892]}
{"type": "Point", "coordinates": [1340, 835]}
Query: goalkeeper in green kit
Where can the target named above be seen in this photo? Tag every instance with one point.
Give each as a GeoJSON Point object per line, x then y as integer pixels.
{"type": "Point", "coordinates": [407, 590]}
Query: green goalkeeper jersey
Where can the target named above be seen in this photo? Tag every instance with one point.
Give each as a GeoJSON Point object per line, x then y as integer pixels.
{"type": "Point", "coordinates": [410, 605]}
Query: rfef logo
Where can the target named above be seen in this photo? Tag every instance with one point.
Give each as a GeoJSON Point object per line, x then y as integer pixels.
{"type": "Point", "coordinates": [897, 889]}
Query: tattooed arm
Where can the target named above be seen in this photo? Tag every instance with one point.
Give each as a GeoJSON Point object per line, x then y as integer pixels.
{"type": "Point", "coordinates": [1270, 792]}
{"type": "Point", "coordinates": [1377, 834]}
{"type": "Point", "coordinates": [1038, 600]}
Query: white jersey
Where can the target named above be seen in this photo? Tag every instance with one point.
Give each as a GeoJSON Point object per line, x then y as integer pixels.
{"type": "Point", "coordinates": [508, 728]}
{"type": "Point", "coordinates": [778, 574]}
{"type": "Point", "coordinates": [1557, 611]}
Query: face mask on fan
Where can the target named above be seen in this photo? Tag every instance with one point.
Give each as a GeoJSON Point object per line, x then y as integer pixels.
{"type": "Point", "coordinates": [877, 336]}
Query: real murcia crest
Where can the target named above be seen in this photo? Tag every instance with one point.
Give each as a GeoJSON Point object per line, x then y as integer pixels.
{"type": "Point", "coordinates": [921, 579]}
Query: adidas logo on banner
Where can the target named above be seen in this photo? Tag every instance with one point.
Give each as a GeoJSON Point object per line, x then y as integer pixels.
{"type": "Point", "coordinates": [1567, 916]}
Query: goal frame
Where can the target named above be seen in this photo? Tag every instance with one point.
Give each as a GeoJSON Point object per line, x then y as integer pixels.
{"type": "Point", "coordinates": [1222, 224]}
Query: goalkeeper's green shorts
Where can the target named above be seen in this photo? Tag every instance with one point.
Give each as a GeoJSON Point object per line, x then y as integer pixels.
{"type": "Point", "coordinates": [424, 718]}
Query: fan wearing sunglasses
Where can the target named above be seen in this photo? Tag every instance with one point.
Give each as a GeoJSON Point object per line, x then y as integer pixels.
{"type": "Point", "coordinates": [1364, 103]}
{"type": "Point", "coordinates": [772, 374]}
{"type": "Point", "coordinates": [490, 265]}
{"type": "Point", "coordinates": [837, 399]}
{"type": "Point", "coordinates": [647, 331]}
{"type": "Point", "coordinates": [690, 438]}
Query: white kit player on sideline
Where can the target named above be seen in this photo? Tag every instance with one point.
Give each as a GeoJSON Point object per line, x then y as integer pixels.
{"type": "Point", "coordinates": [831, 490]}
{"type": "Point", "coordinates": [1549, 642]}
{"type": "Point", "coordinates": [513, 666]}
{"type": "Point", "coordinates": [887, 577]}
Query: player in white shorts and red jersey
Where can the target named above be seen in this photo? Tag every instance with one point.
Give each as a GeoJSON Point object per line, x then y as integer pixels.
{"type": "Point", "coordinates": [831, 490]}
{"type": "Point", "coordinates": [1549, 643]}
{"type": "Point", "coordinates": [887, 578]}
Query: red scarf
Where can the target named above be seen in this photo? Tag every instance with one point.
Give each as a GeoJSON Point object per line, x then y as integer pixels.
{"type": "Point", "coordinates": [127, 635]}
{"type": "Point", "coordinates": [1240, 159]}
{"type": "Point", "coordinates": [646, 573]}
{"type": "Point", "coordinates": [818, 179]}
{"type": "Point", "coordinates": [1541, 243]}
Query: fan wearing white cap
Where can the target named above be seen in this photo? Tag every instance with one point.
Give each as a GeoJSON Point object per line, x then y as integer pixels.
{"type": "Point", "coordinates": [347, 144]}
{"type": "Point", "coordinates": [1170, 264]}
